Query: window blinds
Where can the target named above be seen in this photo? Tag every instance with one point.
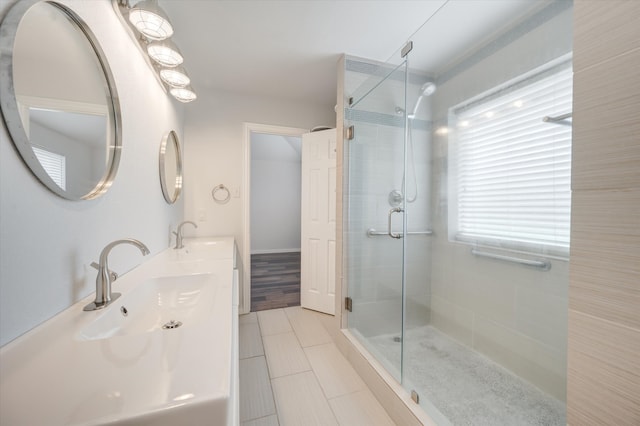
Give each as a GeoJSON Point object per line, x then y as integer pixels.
{"type": "Point", "coordinates": [54, 164]}
{"type": "Point", "coordinates": [512, 171]}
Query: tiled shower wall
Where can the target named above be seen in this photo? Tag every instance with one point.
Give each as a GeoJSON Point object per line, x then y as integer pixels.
{"type": "Point", "coordinates": [513, 314]}
{"type": "Point", "coordinates": [604, 294]}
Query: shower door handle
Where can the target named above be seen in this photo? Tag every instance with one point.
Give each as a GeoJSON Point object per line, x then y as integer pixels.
{"type": "Point", "coordinates": [391, 212]}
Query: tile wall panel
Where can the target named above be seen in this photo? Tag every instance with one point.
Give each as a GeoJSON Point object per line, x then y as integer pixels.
{"type": "Point", "coordinates": [540, 364]}
{"type": "Point", "coordinates": [616, 24]}
{"type": "Point", "coordinates": [606, 255]}
{"type": "Point", "coordinates": [604, 294]}
{"type": "Point", "coordinates": [593, 160]}
{"type": "Point", "coordinates": [606, 147]}
{"type": "Point", "coordinates": [604, 373]}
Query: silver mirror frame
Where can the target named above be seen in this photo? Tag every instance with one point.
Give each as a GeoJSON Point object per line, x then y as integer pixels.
{"type": "Point", "coordinates": [9, 104]}
{"type": "Point", "coordinates": [171, 198]}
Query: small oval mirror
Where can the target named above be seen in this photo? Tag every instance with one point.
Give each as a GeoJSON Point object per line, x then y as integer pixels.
{"type": "Point", "coordinates": [170, 167]}
{"type": "Point", "coordinates": [59, 100]}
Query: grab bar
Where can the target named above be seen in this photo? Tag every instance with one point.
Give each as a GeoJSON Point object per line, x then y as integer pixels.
{"type": "Point", "coordinates": [391, 212]}
{"type": "Point", "coordinates": [371, 232]}
{"type": "Point", "coordinates": [545, 265]}
{"type": "Point", "coordinates": [559, 119]}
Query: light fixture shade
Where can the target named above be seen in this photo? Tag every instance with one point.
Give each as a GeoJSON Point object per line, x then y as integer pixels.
{"type": "Point", "coordinates": [175, 77]}
{"type": "Point", "coordinates": [165, 53]}
{"type": "Point", "coordinates": [183, 94]}
{"type": "Point", "coordinates": [151, 20]}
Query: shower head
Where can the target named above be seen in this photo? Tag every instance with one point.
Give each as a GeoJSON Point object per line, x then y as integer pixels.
{"type": "Point", "coordinates": [426, 90]}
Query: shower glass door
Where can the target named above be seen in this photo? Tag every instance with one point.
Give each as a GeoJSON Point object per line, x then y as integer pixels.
{"type": "Point", "coordinates": [374, 229]}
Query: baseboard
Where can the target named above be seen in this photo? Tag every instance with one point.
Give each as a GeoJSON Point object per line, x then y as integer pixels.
{"type": "Point", "coordinates": [270, 251]}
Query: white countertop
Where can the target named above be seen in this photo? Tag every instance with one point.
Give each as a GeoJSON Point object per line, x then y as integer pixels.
{"type": "Point", "coordinates": [51, 377]}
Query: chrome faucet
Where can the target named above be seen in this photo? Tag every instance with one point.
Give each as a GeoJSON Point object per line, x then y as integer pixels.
{"type": "Point", "coordinates": [179, 236]}
{"type": "Point", "coordinates": [105, 277]}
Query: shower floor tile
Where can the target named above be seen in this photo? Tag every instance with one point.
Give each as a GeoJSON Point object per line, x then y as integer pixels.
{"type": "Point", "coordinates": [465, 386]}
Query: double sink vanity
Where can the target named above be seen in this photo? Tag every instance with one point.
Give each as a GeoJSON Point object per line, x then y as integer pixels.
{"type": "Point", "coordinates": [163, 350]}
{"type": "Point", "coordinates": [164, 353]}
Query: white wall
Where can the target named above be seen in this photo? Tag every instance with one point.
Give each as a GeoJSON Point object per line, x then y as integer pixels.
{"type": "Point", "coordinates": [276, 193]}
{"type": "Point", "coordinates": [215, 155]}
{"type": "Point", "coordinates": [46, 242]}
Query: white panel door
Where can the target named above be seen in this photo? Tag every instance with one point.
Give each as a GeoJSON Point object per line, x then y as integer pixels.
{"type": "Point", "coordinates": [317, 286]}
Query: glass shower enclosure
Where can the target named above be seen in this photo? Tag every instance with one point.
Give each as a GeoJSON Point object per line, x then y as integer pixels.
{"type": "Point", "coordinates": [456, 230]}
{"type": "Point", "coordinates": [382, 262]}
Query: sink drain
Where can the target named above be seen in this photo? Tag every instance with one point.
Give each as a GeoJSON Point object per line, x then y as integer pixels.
{"type": "Point", "coordinates": [172, 324]}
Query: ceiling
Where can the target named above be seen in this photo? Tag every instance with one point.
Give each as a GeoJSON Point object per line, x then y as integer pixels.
{"type": "Point", "coordinates": [87, 129]}
{"type": "Point", "coordinates": [289, 49]}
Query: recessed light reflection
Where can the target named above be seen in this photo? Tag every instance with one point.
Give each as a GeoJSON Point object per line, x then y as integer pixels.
{"type": "Point", "coordinates": [184, 397]}
{"type": "Point", "coordinates": [518, 104]}
{"type": "Point", "coordinates": [464, 123]}
{"type": "Point", "coordinates": [442, 130]}
{"type": "Point", "coordinates": [490, 114]}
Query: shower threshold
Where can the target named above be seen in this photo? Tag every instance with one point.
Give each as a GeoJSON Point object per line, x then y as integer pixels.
{"type": "Point", "coordinates": [465, 386]}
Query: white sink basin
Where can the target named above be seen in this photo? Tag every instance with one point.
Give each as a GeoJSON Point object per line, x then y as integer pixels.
{"type": "Point", "coordinates": [197, 251]}
{"type": "Point", "coordinates": [173, 302]}
{"type": "Point", "coordinates": [208, 248]}
{"type": "Point", "coordinates": [104, 368]}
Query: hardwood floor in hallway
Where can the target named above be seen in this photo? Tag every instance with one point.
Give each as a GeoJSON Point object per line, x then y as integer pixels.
{"type": "Point", "coordinates": [275, 280]}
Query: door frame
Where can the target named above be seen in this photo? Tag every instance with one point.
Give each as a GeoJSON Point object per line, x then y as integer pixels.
{"type": "Point", "coordinates": [248, 129]}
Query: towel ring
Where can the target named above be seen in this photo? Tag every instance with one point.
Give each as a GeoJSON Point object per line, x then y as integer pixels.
{"type": "Point", "coordinates": [219, 196]}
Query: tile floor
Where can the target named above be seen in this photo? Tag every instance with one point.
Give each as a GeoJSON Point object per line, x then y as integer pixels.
{"type": "Point", "coordinates": [291, 373]}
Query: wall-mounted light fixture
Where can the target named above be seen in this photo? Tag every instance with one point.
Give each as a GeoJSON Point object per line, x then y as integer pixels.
{"type": "Point", "coordinates": [150, 27]}
{"type": "Point", "coordinates": [183, 94]}
{"type": "Point", "coordinates": [148, 18]}
{"type": "Point", "coordinates": [175, 77]}
{"type": "Point", "coordinates": [165, 53]}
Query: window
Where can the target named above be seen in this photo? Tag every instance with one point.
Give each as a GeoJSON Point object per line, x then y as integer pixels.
{"type": "Point", "coordinates": [510, 172]}
{"type": "Point", "coordinates": [54, 164]}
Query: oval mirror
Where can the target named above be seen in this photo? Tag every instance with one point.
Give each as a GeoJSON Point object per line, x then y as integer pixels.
{"type": "Point", "coordinates": [170, 167]}
{"type": "Point", "coordinates": [59, 100]}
